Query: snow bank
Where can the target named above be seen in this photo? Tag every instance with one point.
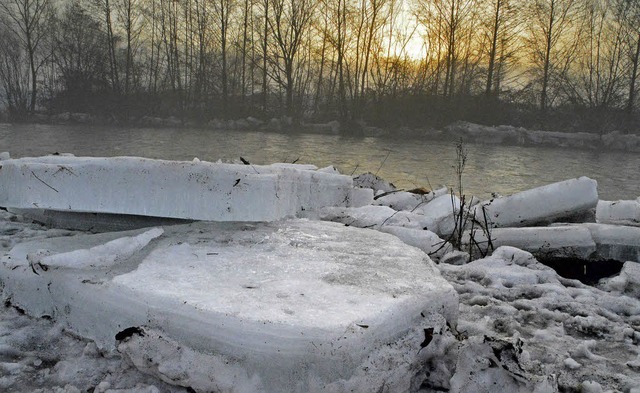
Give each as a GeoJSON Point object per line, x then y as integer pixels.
{"type": "Point", "coordinates": [627, 282]}
{"type": "Point", "coordinates": [186, 190]}
{"type": "Point", "coordinates": [541, 205]}
{"type": "Point", "coordinates": [288, 306]}
{"type": "Point", "coordinates": [543, 332]}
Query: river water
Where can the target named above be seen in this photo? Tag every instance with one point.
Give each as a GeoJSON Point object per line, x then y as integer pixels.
{"type": "Point", "coordinates": [407, 163]}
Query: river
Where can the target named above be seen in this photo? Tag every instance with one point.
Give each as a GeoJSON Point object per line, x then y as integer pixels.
{"type": "Point", "coordinates": [408, 163]}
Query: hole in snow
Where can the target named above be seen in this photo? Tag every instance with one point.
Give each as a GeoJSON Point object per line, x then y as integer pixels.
{"type": "Point", "coordinates": [588, 272]}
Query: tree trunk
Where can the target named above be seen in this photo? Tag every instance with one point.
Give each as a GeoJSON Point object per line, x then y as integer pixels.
{"type": "Point", "coordinates": [634, 77]}
{"type": "Point", "coordinates": [492, 51]}
{"type": "Point", "coordinates": [547, 59]}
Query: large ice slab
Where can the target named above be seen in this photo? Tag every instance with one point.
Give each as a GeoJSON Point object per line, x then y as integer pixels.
{"type": "Point", "coordinates": [541, 205]}
{"type": "Point", "coordinates": [296, 306]}
{"type": "Point", "coordinates": [619, 212]}
{"type": "Point", "coordinates": [586, 241]}
{"type": "Point", "coordinates": [618, 242]}
{"type": "Point", "coordinates": [543, 242]}
{"type": "Point", "coordinates": [185, 190]}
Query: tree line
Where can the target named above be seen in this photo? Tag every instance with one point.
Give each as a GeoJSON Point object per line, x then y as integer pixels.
{"type": "Point", "coordinates": [567, 64]}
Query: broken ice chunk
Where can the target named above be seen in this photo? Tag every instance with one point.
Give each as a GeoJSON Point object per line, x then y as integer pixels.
{"type": "Point", "coordinates": [541, 205]}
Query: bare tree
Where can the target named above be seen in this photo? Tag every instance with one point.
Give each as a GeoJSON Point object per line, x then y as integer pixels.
{"type": "Point", "coordinates": [80, 55]}
{"type": "Point", "coordinates": [628, 13]}
{"type": "Point", "coordinates": [449, 23]}
{"type": "Point", "coordinates": [27, 21]}
{"type": "Point", "coordinates": [14, 77]}
{"type": "Point", "coordinates": [502, 30]}
{"type": "Point", "coordinates": [550, 22]}
{"type": "Point", "coordinates": [288, 24]}
{"type": "Point", "coordinates": [599, 64]}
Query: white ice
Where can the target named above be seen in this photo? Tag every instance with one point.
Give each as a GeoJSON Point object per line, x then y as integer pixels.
{"type": "Point", "coordinates": [619, 212]}
{"type": "Point", "coordinates": [337, 308]}
{"type": "Point", "coordinates": [541, 205]}
{"type": "Point", "coordinates": [187, 190]}
{"type": "Point", "coordinates": [436, 216]}
{"type": "Point", "coordinates": [295, 305]}
{"type": "Point", "coordinates": [558, 242]}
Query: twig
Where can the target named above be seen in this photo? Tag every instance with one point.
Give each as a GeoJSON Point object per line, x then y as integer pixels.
{"type": "Point", "coordinates": [386, 193]}
{"type": "Point", "coordinates": [43, 182]}
{"type": "Point", "coordinates": [388, 218]}
{"type": "Point", "coordinates": [383, 161]}
{"type": "Point", "coordinates": [355, 169]}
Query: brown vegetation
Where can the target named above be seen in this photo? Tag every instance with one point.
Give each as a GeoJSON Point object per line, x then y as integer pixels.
{"type": "Point", "coordinates": [555, 64]}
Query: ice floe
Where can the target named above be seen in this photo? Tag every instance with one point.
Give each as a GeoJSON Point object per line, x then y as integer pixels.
{"type": "Point", "coordinates": [542, 205]}
{"type": "Point", "coordinates": [185, 190]}
{"type": "Point", "coordinates": [312, 306]}
{"type": "Point", "coordinates": [277, 303]}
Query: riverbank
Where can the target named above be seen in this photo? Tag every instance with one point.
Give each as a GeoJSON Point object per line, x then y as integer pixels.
{"type": "Point", "coordinates": [468, 132]}
{"type": "Point", "coordinates": [519, 326]}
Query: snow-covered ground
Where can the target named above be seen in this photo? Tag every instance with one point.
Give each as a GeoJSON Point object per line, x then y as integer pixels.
{"type": "Point", "coordinates": [520, 326]}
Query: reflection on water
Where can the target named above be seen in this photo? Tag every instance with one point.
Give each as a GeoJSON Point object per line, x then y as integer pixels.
{"type": "Point", "coordinates": [407, 163]}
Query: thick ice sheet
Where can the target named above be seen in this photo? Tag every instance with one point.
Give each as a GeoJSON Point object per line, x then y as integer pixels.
{"type": "Point", "coordinates": [187, 190]}
{"type": "Point", "coordinates": [619, 212]}
{"type": "Point", "coordinates": [586, 241]}
{"type": "Point", "coordinates": [297, 304]}
{"type": "Point", "coordinates": [541, 205]}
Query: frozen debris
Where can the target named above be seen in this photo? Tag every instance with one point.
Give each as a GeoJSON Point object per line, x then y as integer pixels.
{"type": "Point", "coordinates": [591, 387]}
{"type": "Point", "coordinates": [361, 217]}
{"type": "Point", "coordinates": [369, 180]}
{"type": "Point", "coordinates": [571, 364]}
{"type": "Point", "coordinates": [440, 192]}
{"type": "Point", "coordinates": [542, 205]}
{"type": "Point", "coordinates": [440, 213]}
{"type": "Point", "coordinates": [486, 134]}
{"type": "Point", "coordinates": [618, 141]}
{"type": "Point", "coordinates": [520, 136]}
{"type": "Point", "coordinates": [425, 240]}
{"type": "Point", "coordinates": [376, 217]}
{"type": "Point", "coordinates": [456, 257]}
{"type": "Point", "coordinates": [174, 189]}
{"type": "Point", "coordinates": [619, 212]}
{"type": "Point", "coordinates": [402, 200]}
{"type": "Point", "coordinates": [361, 197]}
{"type": "Point", "coordinates": [102, 256]}
{"type": "Point", "coordinates": [487, 365]}
{"type": "Point", "coordinates": [291, 305]}
{"type": "Point", "coordinates": [627, 282]}
{"type": "Point", "coordinates": [330, 169]}
{"type": "Point", "coordinates": [5, 156]}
